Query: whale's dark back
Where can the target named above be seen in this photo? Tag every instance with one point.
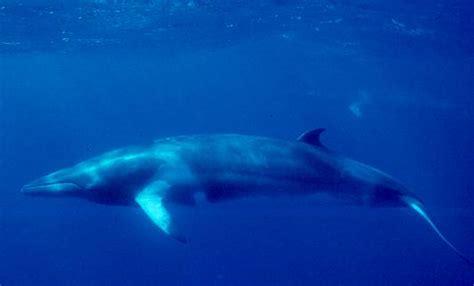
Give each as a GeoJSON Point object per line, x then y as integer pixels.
{"type": "Point", "coordinates": [231, 165]}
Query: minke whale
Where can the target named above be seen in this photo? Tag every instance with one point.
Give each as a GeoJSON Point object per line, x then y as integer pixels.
{"type": "Point", "coordinates": [222, 167]}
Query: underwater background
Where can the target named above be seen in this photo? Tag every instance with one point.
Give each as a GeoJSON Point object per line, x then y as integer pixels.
{"type": "Point", "coordinates": [392, 81]}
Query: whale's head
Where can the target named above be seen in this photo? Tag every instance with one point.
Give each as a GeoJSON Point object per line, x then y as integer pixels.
{"type": "Point", "coordinates": [111, 179]}
{"type": "Point", "coordinates": [66, 182]}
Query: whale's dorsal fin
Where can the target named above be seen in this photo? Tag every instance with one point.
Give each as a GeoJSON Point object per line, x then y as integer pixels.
{"type": "Point", "coordinates": [312, 137]}
{"type": "Point", "coordinates": [151, 200]}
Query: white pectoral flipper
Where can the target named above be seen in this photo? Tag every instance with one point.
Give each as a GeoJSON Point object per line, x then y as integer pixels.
{"type": "Point", "coordinates": [151, 200]}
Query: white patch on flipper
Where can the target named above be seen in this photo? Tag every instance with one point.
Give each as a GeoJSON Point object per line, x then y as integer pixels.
{"type": "Point", "coordinates": [151, 200]}
{"type": "Point", "coordinates": [153, 207]}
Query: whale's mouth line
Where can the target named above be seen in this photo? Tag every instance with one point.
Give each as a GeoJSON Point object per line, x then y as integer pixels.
{"type": "Point", "coordinates": [50, 188]}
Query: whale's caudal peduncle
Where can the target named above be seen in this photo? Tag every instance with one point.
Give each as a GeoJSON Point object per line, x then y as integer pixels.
{"type": "Point", "coordinates": [223, 167]}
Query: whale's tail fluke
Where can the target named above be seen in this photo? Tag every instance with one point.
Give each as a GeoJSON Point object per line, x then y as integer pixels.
{"type": "Point", "coordinates": [416, 205]}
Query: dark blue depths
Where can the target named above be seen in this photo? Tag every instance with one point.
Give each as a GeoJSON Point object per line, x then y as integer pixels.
{"type": "Point", "coordinates": [392, 83]}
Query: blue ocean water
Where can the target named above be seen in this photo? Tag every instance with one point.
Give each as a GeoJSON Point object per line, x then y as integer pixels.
{"type": "Point", "coordinates": [392, 82]}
